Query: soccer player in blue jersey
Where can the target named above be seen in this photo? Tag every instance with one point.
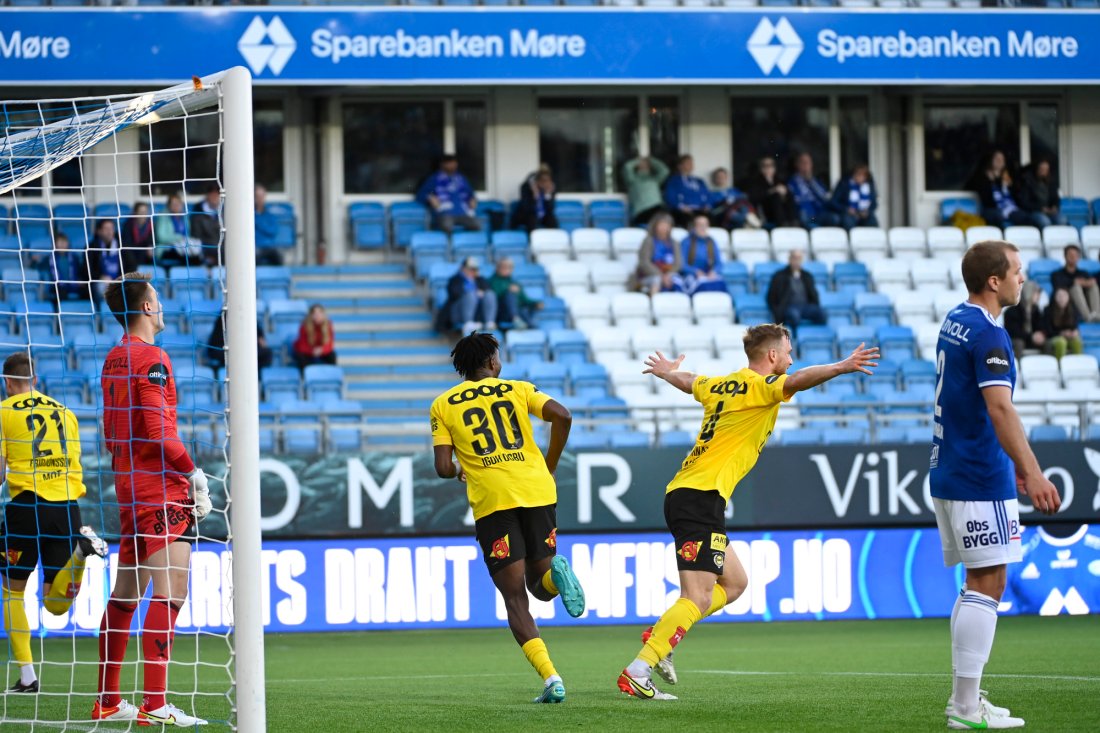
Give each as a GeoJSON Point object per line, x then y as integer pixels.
{"type": "Point", "coordinates": [980, 456]}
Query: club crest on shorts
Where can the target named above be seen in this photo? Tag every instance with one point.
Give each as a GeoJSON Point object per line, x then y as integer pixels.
{"type": "Point", "coordinates": [501, 549]}
{"type": "Point", "coordinates": [689, 551]}
{"type": "Point", "coordinates": [552, 540]}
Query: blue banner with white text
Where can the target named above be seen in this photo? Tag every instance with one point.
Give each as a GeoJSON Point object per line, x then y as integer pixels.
{"type": "Point", "coordinates": [428, 583]}
{"type": "Point", "coordinates": [410, 46]}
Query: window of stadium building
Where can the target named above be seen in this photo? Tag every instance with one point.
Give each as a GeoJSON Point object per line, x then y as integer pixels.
{"type": "Point", "coordinates": [268, 124]}
{"type": "Point", "coordinates": [957, 136]}
{"type": "Point", "coordinates": [1042, 126]}
{"type": "Point", "coordinates": [780, 128]}
{"type": "Point", "coordinates": [586, 140]}
{"type": "Point", "coordinates": [179, 151]}
{"type": "Point", "coordinates": [854, 122]}
{"type": "Point", "coordinates": [390, 147]}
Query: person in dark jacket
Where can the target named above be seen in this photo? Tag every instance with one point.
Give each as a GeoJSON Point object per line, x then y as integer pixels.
{"type": "Point", "coordinates": [686, 195]}
{"type": "Point", "coordinates": [536, 202]}
{"type": "Point", "coordinates": [770, 196]}
{"type": "Point", "coordinates": [1024, 322]}
{"type": "Point", "coordinates": [1037, 195]}
{"type": "Point", "coordinates": [68, 269]}
{"type": "Point", "coordinates": [814, 203]}
{"type": "Point", "coordinates": [856, 198]}
{"type": "Point", "coordinates": [206, 222]}
{"type": "Point", "coordinates": [792, 295]}
{"type": "Point", "coordinates": [137, 236]}
{"type": "Point", "coordinates": [215, 347]}
{"type": "Point", "coordinates": [1083, 291]}
{"type": "Point", "coordinates": [107, 261]}
{"type": "Point", "coordinates": [992, 181]}
{"type": "Point", "coordinates": [730, 207]}
{"type": "Point", "coordinates": [471, 303]}
{"type": "Point", "coordinates": [1060, 322]}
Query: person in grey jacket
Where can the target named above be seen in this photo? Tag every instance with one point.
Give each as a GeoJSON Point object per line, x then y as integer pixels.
{"type": "Point", "coordinates": [643, 178]}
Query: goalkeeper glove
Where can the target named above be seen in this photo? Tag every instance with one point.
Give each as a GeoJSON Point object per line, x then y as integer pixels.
{"type": "Point", "coordinates": [200, 493]}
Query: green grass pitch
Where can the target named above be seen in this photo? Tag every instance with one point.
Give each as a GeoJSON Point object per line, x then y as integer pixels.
{"type": "Point", "coordinates": [783, 677]}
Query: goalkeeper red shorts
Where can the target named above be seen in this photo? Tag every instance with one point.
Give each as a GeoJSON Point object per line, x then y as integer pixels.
{"type": "Point", "coordinates": [147, 529]}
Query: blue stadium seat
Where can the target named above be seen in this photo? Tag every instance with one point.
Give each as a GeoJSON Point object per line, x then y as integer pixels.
{"type": "Point", "coordinates": [111, 209]}
{"type": "Point", "coordinates": [368, 225]}
{"type": "Point", "coordinates": [874, 309]}
{"type": "Point", "coordinates": [751, 308]}
{"type": "Point", "coordinates": [531, 275]}
{"type": "Point", "coordinates": [676, 439]}
{"type": "Point", "coordinates": [1076, 210]}
{"type": "Point", "coordinates": [1041, 269]}
{"type": "Point", "coordinates": [32, 222]}
{"type": "Point", "coordinates": [428, 249]}
{"type": "Point", "coordinates": [286, 313]}
{"type": "Point", "coordinates": [407, 217]}
{"type": "Point", "coordinates": [630, 439]}
{"type": "Point", "coordinates": [197, 381]}
{"type": "Point", "coordinates": [526, 347]}
{"type": "Point", "coordinates": [471, 244]}
{"type": "Point", "coordinates": [607, 214]}
{"type": "Point", "coordinates": [286, 236]}
{"type": "Point", "coordinates": [896, 343]}
{"type": "Point", "coordinates": [1095, 206]}
{"type": "Point", "coordinates": [891, 434]}
{"type": "Point", "coordinates": [845, 436]}
{"type": "Point", "coordinates": [72, 219]}
{"type": "Point", "coordinates": [584, 440]}
{"type": "Point", "coordinates": [344, 418]}
{"type": "Point", "coordinates": [736, 275]}
{"type": "Point", "coordinates": [189, 282]}
{"type": "Point", "coordinates": [916, 372]}
{"type": "Point", "coordinates": [568, 346]}
{"type": "Point", "coordinates": [201, 318]}
{"type": "Point", "coordinates": [90, 349]}
{"type": "Point", "coordinates": [1048, 433]}
{"type": "Point", "coordinates": [817, 344]}
{"type": "Point", "coordinates": [510, 243]}
{"type": "Point", "coordinates": [850, 337]}
{"type": "Point", "coordinates": [273, 283]}
{"type": "Point", "coordinates": [851, 277]}
{"type": "Point", "coordinates": [324, 382]}
{"type": "Point", "coordinates": [802, 436]}
{"type": "Point", "coordinates": [884, 377]}
{"type": "Point", "coordinates": [549, 377]}
{"type": "Point", "coordinates": [554, 312]}
{"type": "Point", "coordinates": [820, 273]}
{"type": "Point", "coordinates": [950, 205]}
{"type": "Point", "coordinates": [70, 388]}
{"type": "Point", "coordinates": [609, 408]}
{"type": "Point", "coordinates": [181, 349]}
{"type": "Point", "coordinates": [589, 380]}
{"type": "Point", "coordinates": [305, 439]}
{"type": "Point", "coordinates": [819, 405]}
{"type": "Point", "coordinates": [839, 307]}
{"type": "Point", "coordinates": [762, 274]}
{"type": "Point", "coordinates": [570, 213]}
{"type": "Point", "coordinates": [491, 213]}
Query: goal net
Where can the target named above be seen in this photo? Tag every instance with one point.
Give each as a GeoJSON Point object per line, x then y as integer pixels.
{"type": "Point", "coordinates": [158, 182]}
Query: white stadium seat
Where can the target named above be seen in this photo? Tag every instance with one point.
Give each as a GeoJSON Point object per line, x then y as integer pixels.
{"type": "Point", "coordinates": [644, 341]}
{"type": "Point", "coordinates": [944, 301]}
{"type": "Point", "coordinates": [714, 310]}
{"type": "Point", "coordinates": [829, 244]}
{"type": "Point", "coordinates": [1037, 370]}
{"type": "Point", "coordinates": [721, 238]}
{"type": "Point", "coordinates": [678, 234]}
{"type": "Point", "coordinates": [569, 278]}
{"type": "Point", "coordinates": [631, 310]}
{"type": "Point", "coordinates": [695, 341]}
{"type": "Point", "coordinates": [1090, 238]}
{"type": "Point", "coordinates": [610, 277]}
{"type": "Point", "coordinates": [1058, 236]}
{"type": "Point", "coordinates": [629, 374]}
{"type": "Point", "coordinates": [609, 344]}
{"type": "Point", "coordinates": [890, 276]}
{"type": "Point", "coordinates": [913, 308]}
{"type": "Point", "coordinates": [751, 245]}
{"type": "Point", "coordinates": [981, 234]}
{"type": "Point", "coordinates": [945, 242]}
{"type": "Point", "coordinates": [868, 244]}
{"type": "Point", "coordinates": [625, 243]}
{"type": "Point", "coordinates": [1079, 372]}
{"type": "Point", "coordinates": [591, 244]}
{"type": "Point", "coordinates": [928, 336]}
{"type": "Point", "coordinates": [590, 310]}
{"type": "Point", "coordinates": [672, 310]}
{"type": "Point", "coordinates": [550, 245]}
{"type": "Point", "coordinates": [908, 242]}
{"type": "Point", "coordinates": [786, 239]}
{"type": "Point", "coordinates": [931, 274]}
{"type": "Point", "coordinates": [730, 337]}
{"type": "Point", "coordinates": [1028, 239]}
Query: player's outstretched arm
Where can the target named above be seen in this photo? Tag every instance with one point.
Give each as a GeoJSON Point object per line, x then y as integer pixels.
{"type": "Point", "coordinates": [860, 360]}
{"type": "Point", "coordinates": [1011, 436]}
{"type": "Point", "coordinates": [561, 420]}
{"type": "Point", "coordinates": [660, 366]}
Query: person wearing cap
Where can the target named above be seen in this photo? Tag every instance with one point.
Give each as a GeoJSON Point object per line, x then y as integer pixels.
{"type": "Point", "coordinates": [450, 198]}
{"type": "Point", "coordinates": [471, 303]}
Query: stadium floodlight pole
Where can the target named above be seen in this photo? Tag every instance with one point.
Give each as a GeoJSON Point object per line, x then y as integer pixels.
{"type": "Point", "coordinates": [244, 425]}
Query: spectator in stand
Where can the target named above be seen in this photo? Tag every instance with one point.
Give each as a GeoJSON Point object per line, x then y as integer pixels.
{"type": "Point", "coordinates": [215, 347]}
{"type": "Point", "coordinates": [206, 222]}
{"type": "Point", "coordinates": [659, 259]}
{"type": "Point", "coordinates": [856, 197]}
{"type": "Point", "coordinates": [137, 236]}
{"type": "Point", "coordinates": [1024, 323]}
{"type": "Point", "coordinates": [1061, 321]}
{"type": "Point", "coordinates": [993, 184]}
{"type": "Point", "coordinates": [815, 206]}
{"type": "Point", "coordinates": [68, 270]}
{"type": "Point", "coordinates": [267, 228]}
{"type": "Point", "coordinates": [1080, 285]}
{"type": "Point", "coordinates": [730, 208]}
{"type": "Point", "coordinates": [316, 343]}
{"type": "Point", "coordinates": [1038, 195]}
{"type": "Point", "coordinates": [643, 177]}
{"type": "Point", "coordinates": [450, 198]}
{"type": "Point", "coordinates": [107, 261]}
{"type": "Point", "coordinates": [513, 305]}
{"type": "Point", "coordinates": [685, 194]}
{"type": "Point", "coordinates": [471, 304]}
{"type": "Point", "coordinates": [770, 196]}
{"type": "Point", "coordinates": [174, 243]}
{"type": "Point", "coordinates": [536, 202]}
{"type": "Point", "coordinates": [792, 295]}
{"type": "Point", "coordinates": [702, 260]}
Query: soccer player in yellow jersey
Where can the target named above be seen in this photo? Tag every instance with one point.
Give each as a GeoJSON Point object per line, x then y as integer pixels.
{"type": "Point", "coordinates": [484, 420]}
{"type": "Point", "coordinates": [740, 412]}
{"type": "Point", "coordinates": [40, 458]}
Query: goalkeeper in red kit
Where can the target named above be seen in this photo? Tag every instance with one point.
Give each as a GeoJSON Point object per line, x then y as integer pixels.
{"type": "Point", "coordinates": [161, 495]}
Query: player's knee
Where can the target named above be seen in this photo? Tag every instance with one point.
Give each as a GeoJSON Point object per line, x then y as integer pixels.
{"type": "Point", "coordinates": [57, 606]}
{"type": "Point", "coordinates": [734, 586]}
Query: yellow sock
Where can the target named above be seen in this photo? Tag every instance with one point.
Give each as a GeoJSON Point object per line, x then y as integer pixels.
{"type": "Point", "coordinates": [59, 600]}
{"type": "Point", "coordinates": [669, 629]}
{"type": "Point", "coordinates": [15, 623]}
{"type": "Point", "coordinates": [535, 651]}
{"type": "Point", "coordinates": [718, 600]}
{"type": "Point", "coordinates": [548, 584]}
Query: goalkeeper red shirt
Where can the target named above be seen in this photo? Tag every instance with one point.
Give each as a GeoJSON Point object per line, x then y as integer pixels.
{"type": "Point", "coordinates": [139, 423]}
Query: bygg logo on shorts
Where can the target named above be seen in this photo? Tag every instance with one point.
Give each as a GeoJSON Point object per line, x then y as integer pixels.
{"type": "Point", "coordinates": [501, 549]}
{"type": "Point", "coordinates": [689, 551]}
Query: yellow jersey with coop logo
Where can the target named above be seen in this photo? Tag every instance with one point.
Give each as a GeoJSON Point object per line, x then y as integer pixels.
{"type": "Point", "coordinates": [488, 423]}
{"type": "Point", "coordinates": [739, 415]}
{"type": "Point", "coordinates": [40, 443]}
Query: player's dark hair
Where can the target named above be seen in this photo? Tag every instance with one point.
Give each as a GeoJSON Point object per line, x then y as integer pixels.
{"type": "Point", "coordinates": [126, 295]}
{"type": "Point", "coordinates": [1068, 247]}
{"type": "Point", "coordinates": [758, 339]}
{"type": "Point", "coordinates": [473, 352]}
{"type": "Point", "coordinates": [18, 366]}
{"type": "Point", "coordinates": [985, 260]}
